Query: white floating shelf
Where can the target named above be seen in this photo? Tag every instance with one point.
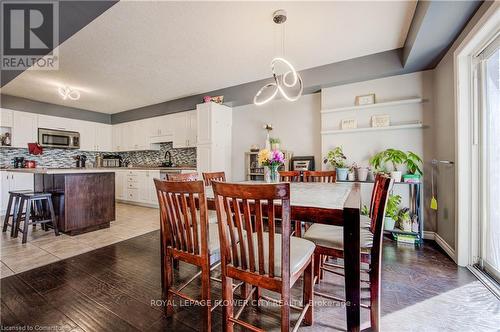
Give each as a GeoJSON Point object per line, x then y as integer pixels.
{"type": "Point", "coordinates": [376, 105]}
{"type": "Point", "coordinates": [396, 127]}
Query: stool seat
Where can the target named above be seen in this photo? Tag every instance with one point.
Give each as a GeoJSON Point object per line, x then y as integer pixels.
{"type": "Point", "coordinates": [35, 195]}
{"type": "Point", "coordinates": [20, 192]}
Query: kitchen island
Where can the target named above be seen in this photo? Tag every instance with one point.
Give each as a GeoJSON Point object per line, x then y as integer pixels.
{"type": "Point", "coordinates": [83, 198]}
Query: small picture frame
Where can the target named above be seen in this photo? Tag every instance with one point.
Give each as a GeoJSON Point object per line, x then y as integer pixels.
{"type": "Point", "coordinates": [365, 99]}
{"type": "Point", "coordinates": [383, 120]}
{"type": "Point", "coordinates": [349, 124]}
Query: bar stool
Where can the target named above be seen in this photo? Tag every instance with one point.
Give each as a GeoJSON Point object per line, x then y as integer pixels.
{"type": "Point", "coordinates": [45, 216]}
{"type": "Point", "coordinates": [12, 204]}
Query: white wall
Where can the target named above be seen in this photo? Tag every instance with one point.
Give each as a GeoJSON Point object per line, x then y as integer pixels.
{"type": "Point", "coordinates": [360, 146]}
{"type": "Point", "coordinates": [297, 124]}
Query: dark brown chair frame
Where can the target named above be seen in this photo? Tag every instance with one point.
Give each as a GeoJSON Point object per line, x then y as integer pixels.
{"type": "Point", "coordinates": [289, 176]}
{"type": "Point", "coordinates": [320, 176]}
{"type": "Point", "coordinates": [233, 200]}
{"type": "Point", "coordinates": [213, 176]}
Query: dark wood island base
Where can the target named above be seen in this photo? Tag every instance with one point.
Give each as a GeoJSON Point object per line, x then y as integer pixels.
{"type": "Point", "coordinates": [83, 202]}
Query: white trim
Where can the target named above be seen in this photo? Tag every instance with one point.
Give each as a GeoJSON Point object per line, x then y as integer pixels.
{"type": "Point", "coordinates": [445, 246]}
{"type": "Point", "coordinates": [354, 130]}
{"type": "Point", "coordinates": [481, 33]}
{"type": "Point", "coordinates": [429, 235]}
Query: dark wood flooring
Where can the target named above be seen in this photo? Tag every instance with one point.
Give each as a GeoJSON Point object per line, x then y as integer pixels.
{"type": "Point", "coordinates": [114, 289]}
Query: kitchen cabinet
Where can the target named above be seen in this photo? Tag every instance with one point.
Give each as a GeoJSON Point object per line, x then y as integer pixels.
{"type": "Point", "coordinates": [161, 126]}
{"type": "Point", "coordinates": [94, 136]}
{"type": "Point", "coordinates": [24, 129]}
{"type": "Point", "coordinates": [103, 137]}
{"type": "Point", "coordinates": [137, 186]}
{"type": "Point", "coordinates": [13, 181]}
{"type": "Point", "coordinates": [6, 117]}
{"type": "Point", "coordinates": [117, 139]}
{"type": "Point", "coordinates": [213, 150]}
{"type": "Point", "coordinates": [185, 129]}
{"type": "Point", "coordinates": [58, 123]}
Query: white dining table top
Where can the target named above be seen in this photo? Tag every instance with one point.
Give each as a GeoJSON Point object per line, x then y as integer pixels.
{"type": "Point", "coordinates": [310, 194]}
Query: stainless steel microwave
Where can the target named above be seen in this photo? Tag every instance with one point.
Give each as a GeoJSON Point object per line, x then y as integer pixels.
{"type": "Point", "coordinates": [58, 138]}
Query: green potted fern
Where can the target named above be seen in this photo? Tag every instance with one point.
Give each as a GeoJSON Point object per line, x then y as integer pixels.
{"type": "Point", "coordinates": [413, 162]}
{"type": "Point", "coordinates": [391, 212]}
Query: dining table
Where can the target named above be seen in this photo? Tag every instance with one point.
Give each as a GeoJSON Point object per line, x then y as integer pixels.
{"type": "Point", "coordinates": [332, 204]}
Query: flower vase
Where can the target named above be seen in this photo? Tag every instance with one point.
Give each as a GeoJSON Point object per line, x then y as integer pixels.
{"type": "Point", "coordinates": [273, 175]}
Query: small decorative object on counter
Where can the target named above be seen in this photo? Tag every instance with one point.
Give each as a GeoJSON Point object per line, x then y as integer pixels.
{"type": "Point", "coordinates": [349, 124]}
{"type": "Point", "coordinates": [275, 143]}
{"type": "Point", "coordinates": [337, 160]}
{"type": "Point", "coordinates": [29, 164]}
{"type": "Point", "coordinates": [381, 121]}
{"type": "Point", "coordinates": [391, 212]}
{"type": "Point", "coordinates": [365, 99]}
{"type": "Point", "coordinates": [272, 160]}
{"type": "Point", "coordinates": [362, 173]}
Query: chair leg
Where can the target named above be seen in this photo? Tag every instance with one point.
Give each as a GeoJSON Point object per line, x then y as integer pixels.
{"type": "Point", "coordinates": [205, 296]}
{"type": "Point", "coordinates": [18, 212]}
{"type": "Point", "coordinates": [14, 226]}
{"type": "Point", "coordinates": [316, 265]}
{"type": "Point", "coordinates": [375, 297]}
{"type": "Point", "coordinates": [7, 215]}
{"type": "Point", "coordinates": [169, 281]}
{"type": "Point", "coordinates": [285, 310]}
{"type": "Point", "coordinates": [227, 308]}
{"type": "Point", "coordinates": [27, 219]}
{"type": "Point", "coordinates": [257, 294]}
{"type": "Point", "coordinates": [298, 228]}
{"type": "Point", "coordinates": [308, 291]}
{"type": "Point", "coordinates": [53, 216]}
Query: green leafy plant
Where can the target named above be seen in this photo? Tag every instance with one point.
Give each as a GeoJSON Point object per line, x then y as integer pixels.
{"type": "Point", "coordinates": [392, 208]}
{"type": "Point", "coordinates": [364, 210]}
{"type": "Point", "coordinates": [412, 163]}
{"type": "Point", "coordinates": [336, 158]}
{"type": "Point", "coordinates": [395, 157]}
{"type": "Point", "coordinates": [274, 140]}
{"type": "Point", "coordinates": [404, 215]}
{"type": "Point", "coordinates": [377, 162]}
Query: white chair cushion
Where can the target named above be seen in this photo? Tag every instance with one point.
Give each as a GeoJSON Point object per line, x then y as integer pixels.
{"type": "Point", "coordinates": [331, 236]}
{"type": "Point", "coordinates": [365, 221]}
{"type": "Point", "coordinates": [300, 251]}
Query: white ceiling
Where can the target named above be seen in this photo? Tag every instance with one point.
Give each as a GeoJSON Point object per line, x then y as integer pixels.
{"type": "Point", "coordinates": [142, 53]}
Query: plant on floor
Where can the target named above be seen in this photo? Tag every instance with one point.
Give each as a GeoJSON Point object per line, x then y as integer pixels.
{"type": "Point", "coordinates": [391, 211]}
{"type": "Point", "coordinates": [364, 210]}
{"type": "Point", "coordinates": [338, 160]}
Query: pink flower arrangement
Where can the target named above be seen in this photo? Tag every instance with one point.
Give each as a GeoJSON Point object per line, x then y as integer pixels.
{"type": "Point", "coordinates": [271, 158]}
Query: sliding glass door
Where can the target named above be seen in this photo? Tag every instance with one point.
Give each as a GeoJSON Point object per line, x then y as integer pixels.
{"type": "Point", "coordinates": [489, 158]}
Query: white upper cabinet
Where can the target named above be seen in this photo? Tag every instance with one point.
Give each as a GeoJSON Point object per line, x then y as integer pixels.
{"type": "Point", "coordinates": [6, 117]}
{"type": "Point", "coordinates": [117, 139]}
{"type": "Point", "coordinates": [103, 137]}
{"type": "Point", "coordinates": [185, 127]}
{"type": "Point", "coordinates": [87, 136]}
{"type": "Point", "coordinates": [161, 126]}
{"type": "Point", "coordinates": [204, 116]}
{"type": "Point", "coordinates": [24, 129]}
{"type": "Point", "coordinates": [58, 123]}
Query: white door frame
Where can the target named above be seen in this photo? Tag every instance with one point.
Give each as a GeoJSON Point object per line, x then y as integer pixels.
{"type": "Point", "coordinates": [467, 209]}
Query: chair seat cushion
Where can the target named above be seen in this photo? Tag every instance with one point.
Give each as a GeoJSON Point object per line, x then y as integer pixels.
{"type": "Point", "coordinates": [331, 236]}
{"type": "Point", "coordinates": [300, 252]}
{"type": "Point", "coordinates": [365, 221]}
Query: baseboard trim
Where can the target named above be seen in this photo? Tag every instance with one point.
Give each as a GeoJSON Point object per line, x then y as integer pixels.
{"type": "Point", "coordinates": [137, 203]}
{"type": "Point", "coordinates": [428, 235]}
{"type": "Point", "coordinates": [445, 246]}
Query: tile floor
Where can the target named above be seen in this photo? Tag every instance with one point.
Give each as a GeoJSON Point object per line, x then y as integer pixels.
{"type": "Point", "coordinates": [44, 247]}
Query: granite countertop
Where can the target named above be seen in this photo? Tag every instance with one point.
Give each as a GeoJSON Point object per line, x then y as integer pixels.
{"type": "Point", "coordinates": [74, 170]}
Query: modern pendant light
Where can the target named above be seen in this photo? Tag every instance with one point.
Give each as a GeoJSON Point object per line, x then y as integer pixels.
{"type": "Point", "coordinates": [288, 80]}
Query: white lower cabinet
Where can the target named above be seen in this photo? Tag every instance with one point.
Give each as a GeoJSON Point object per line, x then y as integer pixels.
{"type": "Point", "coordinates": [13, 181]}
{"type": "Point", "coordinates": [136, 186]}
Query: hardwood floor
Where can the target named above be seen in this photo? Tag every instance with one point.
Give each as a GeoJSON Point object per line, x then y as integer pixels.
{"type": "Point", "coordinates": [115, 288]}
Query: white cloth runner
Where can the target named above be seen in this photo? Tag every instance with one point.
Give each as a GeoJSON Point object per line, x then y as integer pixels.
{"type": "Point", "coordinates": [320, 195]}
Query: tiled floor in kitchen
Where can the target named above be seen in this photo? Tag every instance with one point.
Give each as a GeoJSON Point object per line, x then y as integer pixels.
{"type": "Point", "coordinates": [44, 247]}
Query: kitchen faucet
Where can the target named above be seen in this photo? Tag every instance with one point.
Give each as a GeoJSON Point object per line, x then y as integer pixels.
{"type": "Point", "coordinates": [169, 162]}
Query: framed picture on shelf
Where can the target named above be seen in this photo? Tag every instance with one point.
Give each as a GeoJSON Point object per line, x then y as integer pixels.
{"type": "Point", "coordinates": [349, 124]}
{"type": "Point", "coordinates": [382, 120]}
{"type": "Point", "coordinates": [365, 99]}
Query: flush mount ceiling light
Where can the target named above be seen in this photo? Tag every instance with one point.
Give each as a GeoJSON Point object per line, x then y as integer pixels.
{"type": "Point", "coordinates": [286, 80]}
{"type": "Point", "coordinates": [69, 93]}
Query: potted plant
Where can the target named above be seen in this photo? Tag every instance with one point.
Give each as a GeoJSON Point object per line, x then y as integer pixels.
{"type": "Point", "coordinates": [272, 160]}
{"type": "Point", "coordinates": [412, 163]}
{"type": "Point", "coordinates": [275, 143]}
{"type": "Point", "coordinates": [396, 158]}
{"type": "Point", "coordinates": [337, 159]}
{"type": "Point", "coordinates": [405, 222]}
{"type": "Point", "coordinates": [362, 173]}
{"type": "Point", "coordinates": [391, 212]}
{"type": "Point", "coordinates": [351, 176]}
{"type": "Point", "coordinates": [378, 163]}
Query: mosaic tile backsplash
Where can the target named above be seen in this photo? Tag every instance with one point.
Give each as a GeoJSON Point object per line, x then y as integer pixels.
{"type": "Point", "coordinates": [56, 158]}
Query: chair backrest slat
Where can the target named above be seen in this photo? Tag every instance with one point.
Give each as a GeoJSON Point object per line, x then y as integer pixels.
{"type": "Point", "coordinates": [289, 176]}
{"type": "Point", "coordinates": [241, 197]}
{"type": "Point", "coordinates": [213, 176]}
{"type": "Point", "coordinates": [320, 176]}
{"type": "Point", "coordinates": [181, 224]}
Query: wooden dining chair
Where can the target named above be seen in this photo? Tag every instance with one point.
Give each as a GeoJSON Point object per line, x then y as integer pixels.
{"type": "Point", "coordinates": [289, 176]}
{"type": "Point", "coordinates": [263, 259]}
{"type": "Point", "coordinates": [320, 176]}
{"type": "Point", "coordinates": [213, 176]}
{"type": "Point", "coordinates": [182, 176]}
{"type": "Point", "coordinates": [365, 221]}
{"type": "Point", "coordinates": [329, 242]}
{"type": "Point", "coordinates": [187, 236]}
